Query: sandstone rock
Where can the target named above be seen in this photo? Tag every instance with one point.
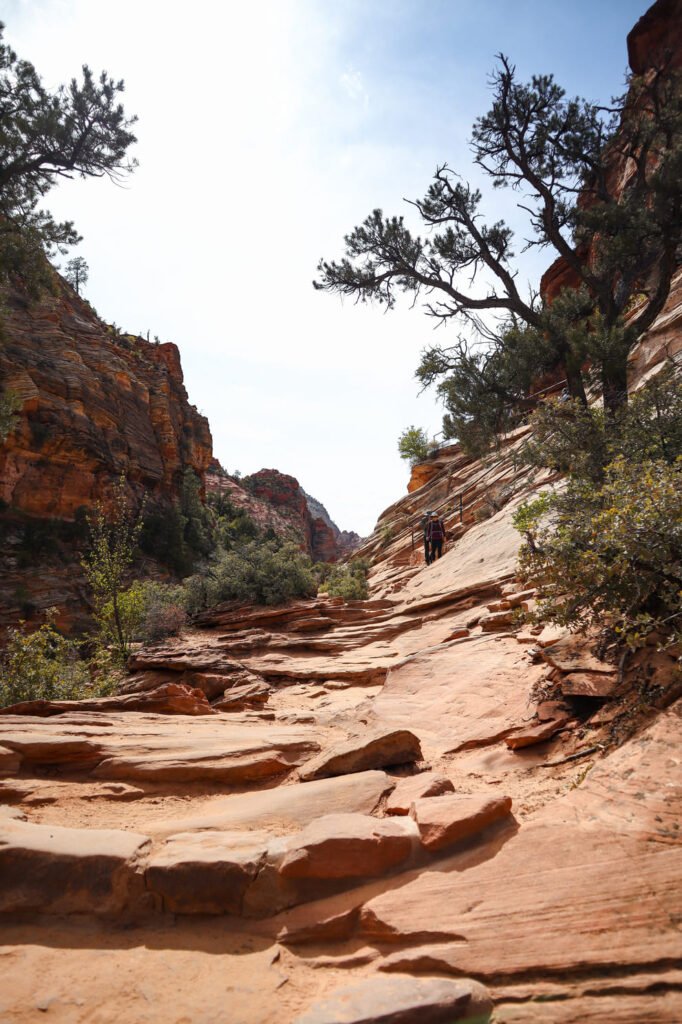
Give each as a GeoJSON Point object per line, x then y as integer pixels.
{"type": "Point", "coordinates": [416, 787]}
{"type": "Point", "coordinates": [526, 736]}
{"type": "Point", "coordinates": [589, 684]}
{"type": "Point", "coordinates": [376, 750]}
{"type": "Point", "coordinates": [10, 761]}
{"type": "Point", "coordinates": [114, 791]}
{"type": "Point", "coordinates": [94, 405]}
{"type": "Point", "coordinates": [289, 807]}
{"type": "Point", "coordinates": [205, 872]}
{"type": "Point", "coordinates": [239, 697]}
{"type": "Point", "coordinates": [333, 928]}
{"type": "Point", "coordinates": [497, 621]}
{"type": "Point", "coordinates": [157, 747]}
{"type": "Point", "coordinates": [403, 1000]}
{"type": "Point", "coordinates": [50, 869]}
{"type": "Point", "coordinates": [548, 710]}
{"type": "Point", "coordinates": [168, 699]}
{"type": "Point", "coordinates": [571, 654]}
{"type": "Point", "coordinates": [346, 846]}
{"type": "Point", "coordinates": [444, 820]}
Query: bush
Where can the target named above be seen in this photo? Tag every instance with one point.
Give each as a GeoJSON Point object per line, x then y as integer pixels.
{"type": "Point", "coordinates": [583, 441]}
{"type": "Point", "coordinates": [261, 572]}
{"type": "Point", "coordinates": [42, 665]}
{"type": "Point", "coordinates": [609, 552]}
{"type": "Point", "coordinates": [164, 611]}
{"type": "Point", "coordinates": [348, 580]}
{"type": "Point", "coordinates": [413, 444]}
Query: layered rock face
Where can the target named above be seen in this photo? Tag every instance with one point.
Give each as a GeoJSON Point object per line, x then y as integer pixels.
{"type": "Point", "coordinates": [277, 501]}
{"type": "Point", "coordinates": [411, 808]}
{"type": "Point", "coordinates": [94, 405]}
{"type": "Point", "coordinates": [406, 808]}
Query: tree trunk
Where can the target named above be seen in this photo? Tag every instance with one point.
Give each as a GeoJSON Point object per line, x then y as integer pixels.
{"type": "Point", "coordinates": [614, 378]}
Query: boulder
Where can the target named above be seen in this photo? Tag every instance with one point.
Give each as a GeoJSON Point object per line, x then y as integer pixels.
{"type": "Point", "coordinates": [239, 697]}
{"type": "Point", "coordinates": [47, 868]}
{"type": "Point", "coordinates": [417, 787]}
{"type": "Point", "coordinates": [571, 654]}
{"type": "Point", "coordinates": [589, 684]}
{"type": "Point", "coordinates": [346, 846]}
{"type": "Point", "coordinates": [403, 1000]}
{"type": "Point", "coordinates": [205, 872]}
{"type": "Point", "coordinates": [444, 820]}
{"type": "Point", "coordinates": [167, 699]}
{"type": "Point", "coordinates": [10, 761]}
{"type": "Point", "coordinates": [527, 736]}
{"type": "Point", "coordinates": [377, 750]}
{"type": "Point", "coordinates": [288, 808]}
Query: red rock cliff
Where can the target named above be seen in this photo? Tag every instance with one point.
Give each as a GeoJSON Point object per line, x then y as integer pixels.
{"type": "Point", "coordinates": [94, 404]}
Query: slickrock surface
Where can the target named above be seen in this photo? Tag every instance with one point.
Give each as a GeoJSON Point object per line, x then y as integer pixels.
{"type": "Point", "coordinates": [498, 835]}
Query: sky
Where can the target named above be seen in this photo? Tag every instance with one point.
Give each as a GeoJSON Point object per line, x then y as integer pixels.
{"type": "Point", "coordinates": [267, 130]}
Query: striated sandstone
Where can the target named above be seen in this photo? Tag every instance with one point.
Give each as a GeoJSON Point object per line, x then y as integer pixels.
{"type": "Point", "coordinates": [377, 750]}
{"type": "Point", "coordinates": [66, 871]}
{"type": "Point", "coordinates": [346, 846]}
{"type": "Point", "coordinates": [445, 820]}
{"type": "Point", "coordinates": [417, 787]}
{"type": "Point", "coordinates": [94, 405]}
{"type": "Point", "coordinates": [402, 1001]}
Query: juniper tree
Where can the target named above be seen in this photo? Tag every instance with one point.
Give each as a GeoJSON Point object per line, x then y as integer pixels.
{"type": "Point", "coordinates": [76, 273]}
{"type": "Point", "coordinates": [77, 130]}
{"type": "Point", "coordinates": [618, 240]}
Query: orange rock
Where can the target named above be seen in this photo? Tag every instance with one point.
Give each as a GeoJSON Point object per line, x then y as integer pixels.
{"type": "Point", "coordinates": [168, 699]}
{"type": "Point", "coordinates": [346, 846]}
{"type": "Point", "coordinates": [205, 872]}
{"type": "Point", "coordinates": [376, 750]}
{"type": "Point", "coordinates": [46, 868]}
{"type": "Point", "coordinates": [397, 1000]}
{"type": "Point", "coordinates": [526, 736]}
{"type": "Point", "coordinates": [417, 787]}
{"type": "Point", "coordinates": [445, 820]}
{"type": "Point", "coordinates": [589, 684]}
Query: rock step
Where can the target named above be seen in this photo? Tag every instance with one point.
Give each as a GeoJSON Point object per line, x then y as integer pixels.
{"type": "Point", "coordinates": [403, 1000]}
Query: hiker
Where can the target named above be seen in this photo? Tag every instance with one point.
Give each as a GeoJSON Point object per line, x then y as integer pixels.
{"type": "Point", "coordinates": [423, 526]}
{"type": "Point", "coordinates": [435, 534]}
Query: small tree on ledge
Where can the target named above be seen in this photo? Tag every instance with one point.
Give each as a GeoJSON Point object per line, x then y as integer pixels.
{"type": "Point", "coordinates": [77, 273]}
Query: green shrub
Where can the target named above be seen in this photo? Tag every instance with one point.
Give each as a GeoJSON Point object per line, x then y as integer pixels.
{"type": "Point", "coordinates": [348, 580]}
{"type": "Point", "coordinates": [164, 610]}
{"type": "Point", "coordinates": [261, 572]}
{"type": "Point", "coordinates": [42, 665]}
{"type": "Point", "coordinates": [609, 552]}
{"type": "Point", "coordinates": [414, 445]}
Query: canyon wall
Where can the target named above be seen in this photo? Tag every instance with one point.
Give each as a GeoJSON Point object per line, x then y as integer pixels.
{"type": "Point", "coordinates": [93, 405]}
{"type": "Point", "coordinates": [276, 501]}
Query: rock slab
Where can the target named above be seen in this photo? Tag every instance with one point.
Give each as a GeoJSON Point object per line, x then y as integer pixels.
{"type": "Point", "coordinates": [377, 750]}
{"type": "Point", "coordinates": [444, 820]}
{"type": "Point", "coordinates": [48, 868]}
{"type": "Point", "coordinates": [403, 1000]}
{"type": "Point", "coordinates": [346, 846]}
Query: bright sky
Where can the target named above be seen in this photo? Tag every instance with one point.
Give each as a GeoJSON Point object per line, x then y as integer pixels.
{"type": "Point", "coordinates": [267, 130]}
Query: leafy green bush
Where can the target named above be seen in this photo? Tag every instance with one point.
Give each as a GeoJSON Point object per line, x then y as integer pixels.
{"type": "Point", "coordinates": [260, 571]}
{"type": "Point", "coordinates": [582, 441]}
{"type": "Point", "coordinates": [42, 665]}
{"type": "Point", "coordinates": [414, 445]}
{"type": "Point", "coordinates": [348, 580]}
{"type": "Point", "coordinates": [611, 552]}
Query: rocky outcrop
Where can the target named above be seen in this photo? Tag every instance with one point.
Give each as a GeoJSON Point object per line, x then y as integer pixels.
{"type": "Point", "coordinates": [277, 501]}
{"type": "Point", "coordinates": [94, 404]}
{"type": "Point", "coordinates": [498, 802]}
{"type": "Point", "coordinates": [657, 36]}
